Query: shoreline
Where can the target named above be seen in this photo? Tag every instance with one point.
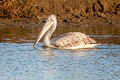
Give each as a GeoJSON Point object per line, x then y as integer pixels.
{"type": "Point", "coordinates": [84, 22]}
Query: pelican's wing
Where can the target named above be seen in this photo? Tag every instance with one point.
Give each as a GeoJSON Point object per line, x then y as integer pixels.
{"type": "Point", "coordinates": [72, 39]}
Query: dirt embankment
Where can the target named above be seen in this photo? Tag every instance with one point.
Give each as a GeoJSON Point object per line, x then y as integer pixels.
{"type": "Point", "coordinates": [66, 10]}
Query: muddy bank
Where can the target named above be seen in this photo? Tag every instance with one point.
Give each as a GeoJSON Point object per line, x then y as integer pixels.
{"type": "Point", "coordinates": [69, 11]}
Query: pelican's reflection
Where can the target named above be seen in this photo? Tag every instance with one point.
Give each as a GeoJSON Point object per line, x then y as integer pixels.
{"type": "Point", "coordinates": [52, 52]}
{"type": "Point", "coordinates": [46, 51]}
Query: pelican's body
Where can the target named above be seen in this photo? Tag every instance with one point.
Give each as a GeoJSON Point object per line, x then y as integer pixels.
{"type": "Point", "coordinates": [71, 40]}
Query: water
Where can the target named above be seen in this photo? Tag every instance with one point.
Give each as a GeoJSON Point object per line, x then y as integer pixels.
{"type": "Point", "coordinates": [20, 61]}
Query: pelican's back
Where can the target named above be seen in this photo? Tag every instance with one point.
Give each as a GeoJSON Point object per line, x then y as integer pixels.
{"type": "Point", "coordinates": [73, 40]}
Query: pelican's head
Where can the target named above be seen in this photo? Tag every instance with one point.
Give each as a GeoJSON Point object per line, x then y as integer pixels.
{"type": "Point", "coordinates": [51, 18]}
{"type": "Point", "coordinates": [49, 22]}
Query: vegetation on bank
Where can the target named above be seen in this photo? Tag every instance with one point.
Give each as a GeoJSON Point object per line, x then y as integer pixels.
{"type": "Point", "coordinates": [64, 9]}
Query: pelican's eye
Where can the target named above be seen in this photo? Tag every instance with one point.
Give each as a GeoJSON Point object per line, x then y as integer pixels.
{"type": "Point", "coordinates": [48, 20]}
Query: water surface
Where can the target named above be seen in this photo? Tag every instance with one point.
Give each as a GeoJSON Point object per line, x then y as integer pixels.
{"type": "Point", "coordinates": [20, 61]}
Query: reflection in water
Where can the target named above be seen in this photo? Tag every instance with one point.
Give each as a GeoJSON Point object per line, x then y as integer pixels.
{"type": "Point", "coordinates": [50, 51]}
{"type": "Point", "coordinates": [45, 51]}
{"type": "Point", "coordinates": [20, 61]}
{"type": "Point", "coordinates": [17, 33]}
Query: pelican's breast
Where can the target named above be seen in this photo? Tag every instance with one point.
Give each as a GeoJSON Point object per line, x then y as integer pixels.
{"type": "Point", "coordinates": [73, 40]}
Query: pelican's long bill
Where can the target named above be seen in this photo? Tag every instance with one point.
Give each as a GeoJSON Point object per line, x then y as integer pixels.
{"type": "Point", "coordinates": [45, 28]}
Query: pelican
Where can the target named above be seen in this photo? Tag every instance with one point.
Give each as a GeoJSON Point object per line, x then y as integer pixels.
{"type": "Point", "coordinates": [71, 40]}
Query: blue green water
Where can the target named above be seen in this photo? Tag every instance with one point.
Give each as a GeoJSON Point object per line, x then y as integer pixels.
{"type": "Point", "coordinates": [20, 61]}
{"type": "Point", "coordinates": [23, 62]}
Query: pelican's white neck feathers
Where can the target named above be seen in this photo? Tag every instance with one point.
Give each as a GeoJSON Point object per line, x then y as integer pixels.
{"type": "Point", "coordinates": [49, 33]}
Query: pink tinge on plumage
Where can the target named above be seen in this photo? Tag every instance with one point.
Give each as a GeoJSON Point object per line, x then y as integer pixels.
{"type": "Point", "coordinates": [73, 39]}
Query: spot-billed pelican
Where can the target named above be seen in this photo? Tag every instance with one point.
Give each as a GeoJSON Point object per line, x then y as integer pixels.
{"type": "Point", "coordinates": [71, 40]}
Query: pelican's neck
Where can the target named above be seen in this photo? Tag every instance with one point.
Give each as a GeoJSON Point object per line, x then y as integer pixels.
{"type": "Point", "coordinates": [48, 35]}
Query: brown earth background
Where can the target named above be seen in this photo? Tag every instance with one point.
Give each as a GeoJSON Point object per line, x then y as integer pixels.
{"type": "Point", "coordinates": [70, 11]}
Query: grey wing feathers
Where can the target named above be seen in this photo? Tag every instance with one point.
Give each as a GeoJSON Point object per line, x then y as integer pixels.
{"type": "Point", "coordinates": [73, 39]}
